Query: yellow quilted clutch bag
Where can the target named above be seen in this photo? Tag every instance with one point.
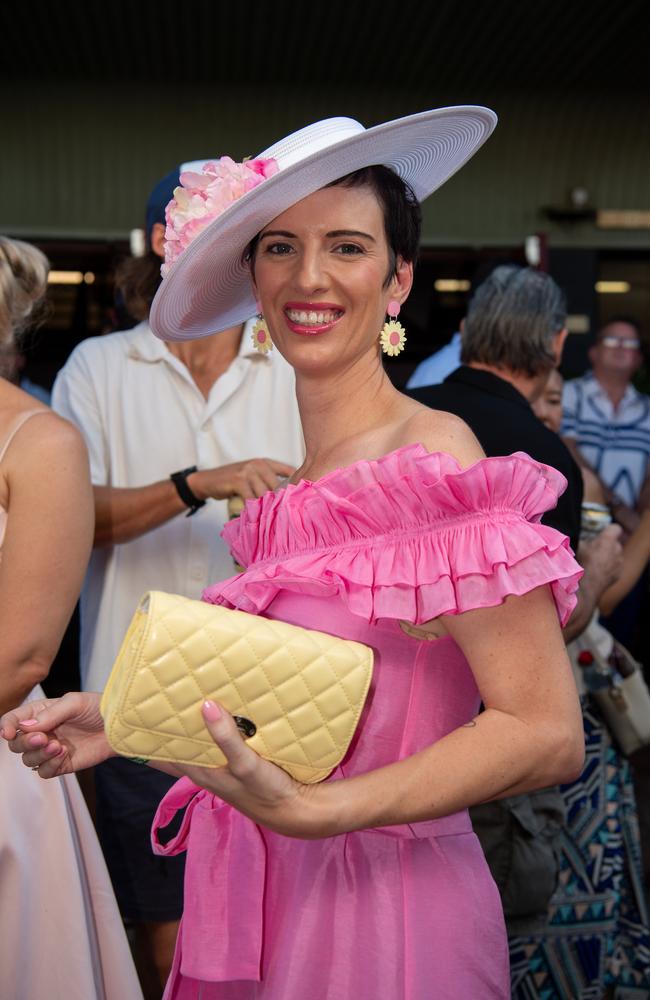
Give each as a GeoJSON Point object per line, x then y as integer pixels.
{"type": "Point", "coordinates": [296, 694]}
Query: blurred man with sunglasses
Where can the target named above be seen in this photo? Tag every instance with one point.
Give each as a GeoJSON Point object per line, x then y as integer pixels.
{"type": "Point", "coordinates": [607, 421]}
{"type": "Point", "coordinates": [606, 425]}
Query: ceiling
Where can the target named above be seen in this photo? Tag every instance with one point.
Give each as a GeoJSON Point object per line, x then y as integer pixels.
{"type": "Point", "coordinates": [103, 97]}
{"type": "Point", "coordinates": [512, 45]}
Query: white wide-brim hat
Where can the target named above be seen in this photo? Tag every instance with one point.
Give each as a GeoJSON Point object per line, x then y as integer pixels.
{"type": "Point", "coordinates": [209, 289]}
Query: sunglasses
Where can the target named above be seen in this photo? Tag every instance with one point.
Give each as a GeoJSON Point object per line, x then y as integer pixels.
{"type": "Point", "coordinates": [629, 343]}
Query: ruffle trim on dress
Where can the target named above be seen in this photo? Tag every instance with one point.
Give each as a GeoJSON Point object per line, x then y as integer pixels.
{"type": "Point", "coordinates": [410, 536]}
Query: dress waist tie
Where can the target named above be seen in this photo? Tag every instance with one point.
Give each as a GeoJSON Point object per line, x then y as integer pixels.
{"type": "Point", "coordinates": [221, 930]}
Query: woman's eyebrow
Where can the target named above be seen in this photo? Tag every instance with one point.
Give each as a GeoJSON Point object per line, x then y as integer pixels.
{"type": "Point", "coordinates": [351, 232]}
{"type": "Point", "coordinates": [277, 232]}
{"type": "Point", "coordinates": [331, 235]}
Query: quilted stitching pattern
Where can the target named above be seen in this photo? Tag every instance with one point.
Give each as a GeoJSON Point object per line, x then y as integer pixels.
{"type": "Point", "coordinates": [302, 689]}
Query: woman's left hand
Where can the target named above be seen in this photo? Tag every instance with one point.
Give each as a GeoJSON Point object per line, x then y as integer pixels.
{"type": "Point", "coordinates": [263, 792]}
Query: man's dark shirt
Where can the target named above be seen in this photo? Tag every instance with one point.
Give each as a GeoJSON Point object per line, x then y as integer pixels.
{"type": "Point", "coordinates": [503, 422]}
{"type": "Point", "coordinates": [519, 835]}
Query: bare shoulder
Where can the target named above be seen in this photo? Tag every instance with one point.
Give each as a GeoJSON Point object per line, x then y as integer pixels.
{"type": "Point", "coordinates": [46, 438]}
{"type": "Point", "coordinates": [46, 455]}
{"type": "Point", "coordinates": [438, 430]}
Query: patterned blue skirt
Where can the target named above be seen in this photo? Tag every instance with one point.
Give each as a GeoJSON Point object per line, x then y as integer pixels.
{"type": "Point", "coordinates": [597, 938]}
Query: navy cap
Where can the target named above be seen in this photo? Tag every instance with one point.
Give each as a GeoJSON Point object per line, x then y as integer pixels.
{"type": "Point", "coordinates": [159, 198]}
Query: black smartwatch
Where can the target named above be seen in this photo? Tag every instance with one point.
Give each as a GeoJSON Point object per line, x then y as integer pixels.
{"type": "Point", "coordinates": [179, 479]}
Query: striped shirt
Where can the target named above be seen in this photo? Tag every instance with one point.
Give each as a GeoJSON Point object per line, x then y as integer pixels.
{"type": "Point", "coordinates": [615, 441]}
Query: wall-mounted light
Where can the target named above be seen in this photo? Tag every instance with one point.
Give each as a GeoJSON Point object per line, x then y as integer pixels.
{"type": "Point", "coordinates": [576, 207]}
{"type": "Point", "coordinates": [632, 218]}
{"type": "Point", "coordinates": [613, 287]}
{"type": "Point", "coordinates": [451, 285]}
{"type": "Point", "coordinates": [579, 197]}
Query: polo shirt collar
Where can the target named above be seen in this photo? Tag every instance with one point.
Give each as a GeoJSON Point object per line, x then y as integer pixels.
{"type": "Point", "coordinates": [489, 383]}
{"type": "Point", "coordinates": [594, 388]}
{"type": "Point", "coordinates": [145, 346]}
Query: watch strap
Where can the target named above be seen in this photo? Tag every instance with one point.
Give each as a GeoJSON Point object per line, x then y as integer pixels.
{"type": "Point", "coordinates": [179, 479]}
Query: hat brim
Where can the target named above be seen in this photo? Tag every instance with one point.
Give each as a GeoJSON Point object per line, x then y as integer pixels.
{"type": "Point", "coordinates": [209, 289]}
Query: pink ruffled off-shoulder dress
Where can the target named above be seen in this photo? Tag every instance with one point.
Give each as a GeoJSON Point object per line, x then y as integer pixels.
{"type": "Point", "coordinates": [407, 912]}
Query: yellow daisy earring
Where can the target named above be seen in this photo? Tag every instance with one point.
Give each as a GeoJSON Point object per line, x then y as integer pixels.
{"type": "Point", "coordinates": [393, 335]}
{"type": "Point", "coordinates": [261, 337]}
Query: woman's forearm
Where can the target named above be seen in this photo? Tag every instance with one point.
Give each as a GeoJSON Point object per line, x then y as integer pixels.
{"type": "Point", "coordinates": [636, 554]}
{"type": "Point", "coordinates": [529, 736]}
{"type": "Point", "coordinates": [493, 757]}
{"type": "Point", "coordinates": [17, 682]}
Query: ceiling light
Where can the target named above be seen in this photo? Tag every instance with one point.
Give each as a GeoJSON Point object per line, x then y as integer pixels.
{"type": "Point", "coordinates": [451, 285]}
{"type": "Point", "coordinates": [65, 278]}
{"type": "Point", "coordinates": [612, 287]}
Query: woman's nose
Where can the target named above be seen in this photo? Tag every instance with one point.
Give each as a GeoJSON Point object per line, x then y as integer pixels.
{"type": "Point", "coordinates": [311, 275]}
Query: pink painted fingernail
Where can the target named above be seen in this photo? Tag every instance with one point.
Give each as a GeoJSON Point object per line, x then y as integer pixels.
{"type": "Point", "coordinates": [29, 722]}
{"type": "Point", "coordinates": [211, 711]}
{"type": "Point", "coordinates": [51, 747]}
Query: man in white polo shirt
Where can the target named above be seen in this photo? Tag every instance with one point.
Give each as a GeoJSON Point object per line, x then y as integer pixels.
{"type": "Point", "coordinates": [173, 431]}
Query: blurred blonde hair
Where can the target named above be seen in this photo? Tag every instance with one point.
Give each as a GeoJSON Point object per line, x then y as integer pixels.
{"type": "Point", "coordinates": [23, 283]}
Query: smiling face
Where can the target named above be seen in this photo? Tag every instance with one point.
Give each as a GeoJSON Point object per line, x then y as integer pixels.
{"type": "Point", "coordinates": [320, 273]}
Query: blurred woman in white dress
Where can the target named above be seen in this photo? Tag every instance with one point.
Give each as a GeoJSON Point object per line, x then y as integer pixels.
{"type": "Point", "coordinates": [61, 936]}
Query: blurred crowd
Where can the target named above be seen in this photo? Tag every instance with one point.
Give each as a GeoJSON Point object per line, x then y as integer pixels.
{"type": "Point", "coordinates": [173, 433]}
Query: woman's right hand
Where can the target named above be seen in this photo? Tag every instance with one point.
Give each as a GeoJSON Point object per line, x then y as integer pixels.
{"type": "Point", "coordinates": [58, 735]}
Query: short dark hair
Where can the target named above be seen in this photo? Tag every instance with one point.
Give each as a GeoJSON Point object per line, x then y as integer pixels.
{"type": "Point", "coordinates": [400, 208]}
{"type": "Point", "coordinates": [628, 320]}
{"type": "Point", "coordinates": [512, 319]}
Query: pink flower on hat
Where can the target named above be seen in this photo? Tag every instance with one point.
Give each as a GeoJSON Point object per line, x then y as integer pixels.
{"type": "Point", "coordinates": [203, 196]}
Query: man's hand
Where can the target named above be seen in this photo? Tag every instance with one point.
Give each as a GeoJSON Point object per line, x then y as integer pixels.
{"type": "Point", "coordinates": [602, 558]}
{"type": "Point", "coordinates": [125, 513]}
{"type": "Point", "coordinates": [625, 516]}
{"type": "Point", "coordinates": [248, 479]}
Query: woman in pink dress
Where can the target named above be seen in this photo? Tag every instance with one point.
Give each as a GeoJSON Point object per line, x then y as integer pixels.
{"type": "Point", "coordinates": [396, 532]}
{"type": "Point", "coordinates": [61, 935]}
